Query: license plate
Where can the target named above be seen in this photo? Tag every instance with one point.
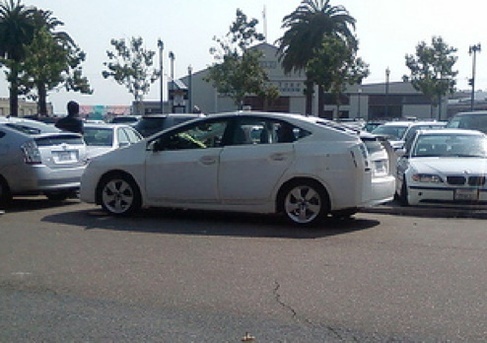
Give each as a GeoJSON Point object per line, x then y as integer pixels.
{"type": "Point", "coordinates": [65, 156]}
{"type": "Point", "coordinates": [467, 194]}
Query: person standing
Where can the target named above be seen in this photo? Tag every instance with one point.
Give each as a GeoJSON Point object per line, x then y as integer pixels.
{"type": "Point", "coordinates": [71, 122]}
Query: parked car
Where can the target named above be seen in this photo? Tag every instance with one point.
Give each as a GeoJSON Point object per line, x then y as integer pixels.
{"type": "Point", "coordinates": [153, 123]}
{"type": "Point", "coordinates": [297, 165]}
{"type": "Point", "coordinates": [102, 138]}
{"type": "Point", "coordinates": [447, 167]}
{"type": "Point", "coordinates": [397, 132]}
{"type": "Point", "coordinates": [476, 120]}
{"type": "Point", "coordinates": [37, 158]}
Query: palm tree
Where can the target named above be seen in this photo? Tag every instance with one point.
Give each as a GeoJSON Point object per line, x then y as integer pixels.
{"type": "Point", "coordinates": [16, 31]}
{"type": "Point", "coordinates": [306, 28]}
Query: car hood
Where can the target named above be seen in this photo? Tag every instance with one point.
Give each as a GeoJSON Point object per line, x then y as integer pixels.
{"type": "Point", "coordinates": [449, 165]}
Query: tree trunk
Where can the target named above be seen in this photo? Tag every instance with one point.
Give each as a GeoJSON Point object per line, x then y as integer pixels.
{"type": "Point", "coordinates": [41, 89]}
{"type": "Point", "coordinates": [321, 102]}
{"type": "Point", "coordinates": [14, 90]}
{"type": "Point", "coordinates": [309, 97]}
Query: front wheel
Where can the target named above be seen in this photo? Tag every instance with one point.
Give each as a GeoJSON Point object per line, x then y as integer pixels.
{"type": "Point", "coordinates": [120, 195]}
{"type": "Point", "coordinates": [304, 203]}
{"type": "Point", "coordinates": [403, 195]}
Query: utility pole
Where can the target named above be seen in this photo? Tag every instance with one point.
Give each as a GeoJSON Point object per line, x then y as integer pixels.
{"type": "Point", "coordinates": [172, 57]}
{"type": "Point", "coordinates": [160, 45]}
{"type": "Point", "coordinates": [473, 49]}
{"type": "Point", "coordinates": [388, 73]}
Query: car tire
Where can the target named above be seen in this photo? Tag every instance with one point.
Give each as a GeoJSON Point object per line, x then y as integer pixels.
{"type": "Point", "coordinates": [5, 195]}
{"type": "Point", "coordinates": [304, 203]}
{"type": "Point", "coordinates": [403, 195]}
{"type": "Point", "coordinates": [120, 195]}
{"type": "Point", "coordinates": [58, 196]}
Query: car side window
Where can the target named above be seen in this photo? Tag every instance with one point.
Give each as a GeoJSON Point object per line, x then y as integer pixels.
{"type": "Point", "coordinates": [122, 138]}
{"type": "Point", "coordinates": [197, 136]}
{"type": "Point", "coordinates": [257, 131]}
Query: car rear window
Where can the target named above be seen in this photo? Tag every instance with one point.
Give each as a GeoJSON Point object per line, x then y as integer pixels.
{"type": "Point", "coordinates": [57, 140]}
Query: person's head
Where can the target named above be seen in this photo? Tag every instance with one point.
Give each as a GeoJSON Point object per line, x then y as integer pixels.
{"type": "Point", "coordinates": [73, 108]}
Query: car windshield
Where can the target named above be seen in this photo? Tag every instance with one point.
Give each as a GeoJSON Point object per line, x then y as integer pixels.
{"type": "Point", "coordinates": [392, 132]}
{"type": "Point", "coordinates": [450, 145]}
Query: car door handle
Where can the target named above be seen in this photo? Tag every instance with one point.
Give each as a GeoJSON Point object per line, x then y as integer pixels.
{"type": "Point", "coordinates": [278, 157]}
{"type": "Point", "coordinates": [207, 160]}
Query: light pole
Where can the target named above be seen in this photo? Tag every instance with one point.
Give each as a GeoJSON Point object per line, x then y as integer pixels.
{"type": "Point", "coordinates": [473, 49]}
{"type": "Point", "coordinates": [160, 45]}
{"type": "Point", "coordinates": [172, 57]}
{"type": "Point", "coordinates": [359, 114]}
{"type": "Point", "coordinates": [388, 73]}
{"type": "Point", "coordinates": [190, 88]}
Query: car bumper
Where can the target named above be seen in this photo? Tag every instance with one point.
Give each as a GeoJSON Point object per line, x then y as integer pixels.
{"type": "Point", "coordinates": [419, 195]}
{"type": "Point", "coordinates": [39, 178]}
{"type": "Point", "coordinates": [379, 191]}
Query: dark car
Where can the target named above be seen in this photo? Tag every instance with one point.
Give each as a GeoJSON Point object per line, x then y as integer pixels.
{"type": "Point", "coordinates": [150, 124]}
{"type": "Point", "coordinates": [476, 120]}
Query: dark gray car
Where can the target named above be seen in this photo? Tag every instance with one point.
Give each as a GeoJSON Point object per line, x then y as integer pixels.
{"type": "Point", "coordinates": [150, 124]}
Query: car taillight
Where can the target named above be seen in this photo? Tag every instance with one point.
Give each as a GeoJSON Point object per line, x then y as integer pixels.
{"type": "Point", "coordinates": [31, 152]}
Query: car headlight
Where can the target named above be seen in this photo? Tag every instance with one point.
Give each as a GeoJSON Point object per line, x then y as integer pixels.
{"type": "Point", "coordinates": [431, 178]}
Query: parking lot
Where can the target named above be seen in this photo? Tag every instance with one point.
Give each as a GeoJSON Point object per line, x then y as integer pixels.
{"type": "Point", "coordinates": [71, 272]}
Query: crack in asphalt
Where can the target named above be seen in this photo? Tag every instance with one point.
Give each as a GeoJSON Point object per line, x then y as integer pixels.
{"type": "Point", "coordinates": [295, 316]}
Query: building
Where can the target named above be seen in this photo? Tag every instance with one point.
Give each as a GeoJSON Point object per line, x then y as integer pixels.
{"type": "Point", "coordinates": [388, 100]}
{"type": "Point", "coordinates": [26, 108]}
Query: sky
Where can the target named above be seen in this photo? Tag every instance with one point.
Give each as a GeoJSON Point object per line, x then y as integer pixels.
{"type": "Point", "coordinates": [387, 30]}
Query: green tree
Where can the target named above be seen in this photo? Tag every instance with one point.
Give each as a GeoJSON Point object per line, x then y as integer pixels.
{"type": "Point", "coordinates": [335, 66]}
{"type": "Point", "coordinates": [306, 28]}
{"type": "Point", "coordinates": [52, 61]}
{"type": "Point", "coordinates": [432, 70]}
{"type": "Point", "coordinates": [237, 71]}
{"type": "Point", "coordinates": [16, 31]}
{"type": "Point", "coordinates": [131, 65]}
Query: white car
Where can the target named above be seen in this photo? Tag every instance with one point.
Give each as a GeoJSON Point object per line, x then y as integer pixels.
{"type": "Point", "coordinates": [297, 165]}
{"type": "Point", "coordinates": [37, 158]}
{"type": "Point", "coordinates": [102, 138]}
{"type": "Point", "coordinates": [447, 167]}
{"type": "Point", "coordinates": [398, 132]}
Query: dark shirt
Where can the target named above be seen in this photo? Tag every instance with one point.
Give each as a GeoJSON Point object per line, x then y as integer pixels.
{"type": "Point", "coordinates": [71, 124]}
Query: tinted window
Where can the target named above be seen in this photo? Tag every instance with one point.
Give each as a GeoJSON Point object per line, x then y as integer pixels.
{"type": "Point", "coordinates": [57, 140]}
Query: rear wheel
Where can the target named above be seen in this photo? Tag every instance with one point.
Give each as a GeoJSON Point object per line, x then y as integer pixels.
{"type": "Point", "coordinates": [304, 203]}
{"type": "Point", "coordinates": [5, 195]}
{"type": "Point", "coordinates": [120, 195]}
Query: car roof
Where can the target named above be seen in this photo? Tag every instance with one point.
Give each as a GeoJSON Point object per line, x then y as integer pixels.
{"type": "Point", "coordinates": [166, 115]}
{"type": "Point", "coordinates": [451, 131]}
{"type": "Point", "coordinates": [105, 125]}
{"type": "Point", "coordinates": [473, 113]}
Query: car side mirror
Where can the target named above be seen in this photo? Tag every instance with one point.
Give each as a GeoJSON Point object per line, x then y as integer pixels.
{"type": "Point", "coordinates": [401, 153]}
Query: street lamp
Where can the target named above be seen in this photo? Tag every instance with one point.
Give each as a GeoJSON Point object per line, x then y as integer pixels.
{"type": "Point", "coordinates": [172, 57]}
{"type": "Point", "coordinates": [473, 50]}
{"type": "Point", "coordinates": [160, 45]}
{"type": "Point", "coordinates": [190, 88]}
{"type": "Point", "coordinates": [388, 73]}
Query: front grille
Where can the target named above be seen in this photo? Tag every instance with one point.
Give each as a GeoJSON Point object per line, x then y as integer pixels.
{"type": "Point", "coordinates": [476, 180]}
{"type": "Point", "coordinates": [456, 180]}
{"type": "Point", "coordinates": [462, 180]}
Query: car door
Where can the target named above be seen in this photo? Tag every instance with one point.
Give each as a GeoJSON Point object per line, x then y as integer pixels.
{"type": "Point", "coordinates": [182, 165]}
{"type": "Point", "coordinates": [253, 161]}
